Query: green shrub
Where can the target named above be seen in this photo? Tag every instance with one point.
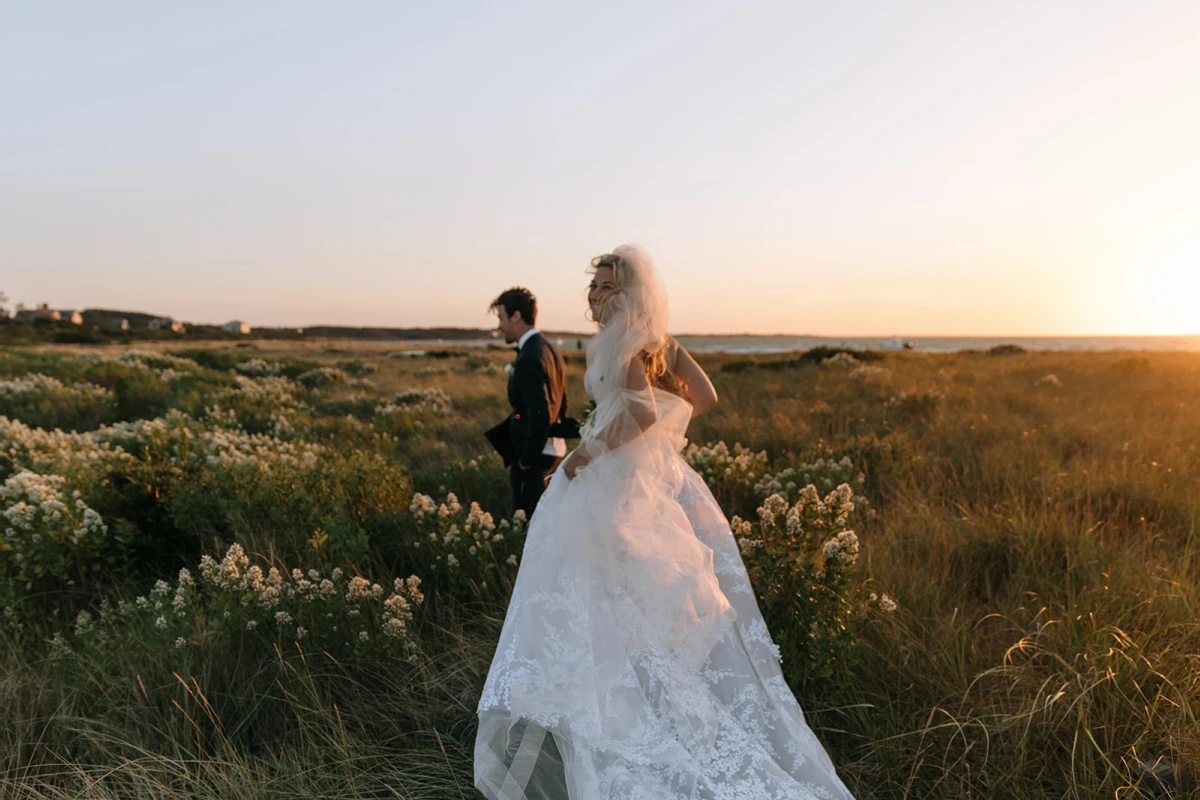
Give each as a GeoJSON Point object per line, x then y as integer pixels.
{"type": "Point", "coordinates": [484, 480]}
{"type": "Point", "coordinates": [290, 499]}
{"type": "Point", "coordinates": [52, 538]}
{"type": "Point", "coordinates": [266, 405]}
{"type": "Point", "coordinates": [221, 360]}
{"type": "Point", "coordinates": [815, 356]}
{"type": "Point", "coordinates": [467, 555]}
{"type": "Point", "coordinates": [79, 336]}
{"type": "Point", "coordinates": [323, 608]}
{"type": "Point", "coordinates": [356, 368]}
{"type": "Point", "coordinates": [918, 406]}
{"type": "Point", "coordinates": [321, 377]}
{"type": "Point", "coordinates": [731, 475]}
{"type": "Point", "coordinates": [361, 406]}
{"type": "Point", "coordinates": [801, 560]}
{"type": "Point", "coordinates": [823, 473]}
{"type": "Point", "coordinates": [819, 354]}
{"type": "Point", "coordinates": [410, 411]}
{"type": "Point", "coordinates": [293, 368]}
{"type": "Point", "coordinates": [143, 395]}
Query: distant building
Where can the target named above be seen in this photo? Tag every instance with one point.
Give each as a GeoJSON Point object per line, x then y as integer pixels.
{"type": "Point", "coordinates": [165, 323]}
{"type": "Point", "coordinates": [121, 324]}
{"type": "Point", "coordinates": [235, 326]}
{"type": "Point", "coordinates": [44, 312]}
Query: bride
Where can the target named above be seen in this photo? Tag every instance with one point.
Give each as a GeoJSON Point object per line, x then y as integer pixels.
{"type": "Point", "coordinates": [634, 663]}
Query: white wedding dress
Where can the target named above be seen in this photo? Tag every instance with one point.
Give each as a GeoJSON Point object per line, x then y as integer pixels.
{"type": "Point", "coordinates": [634, 663]}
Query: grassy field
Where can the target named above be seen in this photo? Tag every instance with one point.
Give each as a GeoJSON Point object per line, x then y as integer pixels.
{"type": "Point", "coordinates": [1034, 515]}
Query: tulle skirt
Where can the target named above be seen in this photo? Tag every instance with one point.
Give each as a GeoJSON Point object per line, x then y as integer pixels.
{"type": "Point", "coordinates": [634, 663]}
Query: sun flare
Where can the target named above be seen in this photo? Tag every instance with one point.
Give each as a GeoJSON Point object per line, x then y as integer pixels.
{"type": "Point", "coordinates": [1174, 284]}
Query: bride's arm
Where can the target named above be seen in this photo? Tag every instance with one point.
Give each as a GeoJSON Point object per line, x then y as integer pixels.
{"type": "Point", "coordinates": [639, 415]}
{"type": "Point", "coordinates": [700, 391]}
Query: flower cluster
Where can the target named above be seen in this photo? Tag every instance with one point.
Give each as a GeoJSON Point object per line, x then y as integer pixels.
{"type": "Point", "coordinates": [178, 438]}
{"type": "Point", "coordinates": [278, 390]}
{"type": "Point", "coordinates": [145, 359]}
{"type": "Point", "coordinates": [35, 385]}
{"type": "Point", "coordinates": [44, 401]}
{"type": "Point", "coordinates": [823, 473]}
{"type": "Point", "coordinates": [841, 359]}
{"type": "Point", "coordinates": [172, 432]}
{"type": "Point", "coordinates": [482, 365]}
{"type": "Point", "coordinates": [237, 600]}
{"type": "Point", "coordinates": [466, 547]}
{"type": "Point", "coordinates": [258, 368]}
{"type": "Point", "coordinates": [255, 451]}
{"type": "Point", "coordinates": [432, 401]}
{"type": "Point", "coordinates": [1049, 380]}
{"type": "Point", "coordinates": [48, 532]}
{"type": "Point", "coordinates": [886, 604]}
{"type": "Point", "coordinates": [841, 550]}
{"type": "Point", "coordinates": [732, 475]}
{"type": "Point", "coordinates": [299, 603]}
{"type": "Point", "coordinates": [323, 604]}
{"type": "Point", "coordinates": [58, 451]}
{"type": "Point", "coordinates": [398, 607]}
{"type": "Point", "coordinates": [266, 404]}
{"type": "Point", "coordinates": [801, 556]}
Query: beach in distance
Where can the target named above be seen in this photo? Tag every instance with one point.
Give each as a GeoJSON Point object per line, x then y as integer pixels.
{"type": "Point", "coordinates": [755, 344]}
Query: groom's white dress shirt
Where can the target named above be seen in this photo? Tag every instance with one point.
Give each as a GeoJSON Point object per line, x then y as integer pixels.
{"type": "Point", "coordinates": [554, 445]}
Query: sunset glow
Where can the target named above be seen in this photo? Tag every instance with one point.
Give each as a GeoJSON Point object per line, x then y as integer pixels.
{"type": "Point", "coordinates": [1174, 282]}
{"type": "Point", "coordinates": [931, 168]}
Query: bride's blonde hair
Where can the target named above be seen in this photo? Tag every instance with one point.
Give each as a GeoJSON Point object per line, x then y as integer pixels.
{"type": "Point", "coordinates": [658, 373]}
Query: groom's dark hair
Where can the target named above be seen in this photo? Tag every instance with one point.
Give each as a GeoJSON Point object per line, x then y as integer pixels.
{"type": "Point", "coordinates": [516, 299]}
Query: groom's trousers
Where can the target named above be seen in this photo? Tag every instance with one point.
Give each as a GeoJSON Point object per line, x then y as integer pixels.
{"type": "Point", "coordinates": [528, 484]}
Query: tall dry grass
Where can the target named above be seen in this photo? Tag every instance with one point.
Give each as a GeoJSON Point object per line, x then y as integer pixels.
{"type": "Point", "coordinates": [1040, 536]}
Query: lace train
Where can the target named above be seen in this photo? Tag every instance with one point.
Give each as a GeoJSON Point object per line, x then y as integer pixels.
{"type": "Point", "coordinates": [634, 663]}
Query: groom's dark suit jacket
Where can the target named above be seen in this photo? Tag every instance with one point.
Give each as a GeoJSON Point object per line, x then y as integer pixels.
{"type": "Point", "coordinates": [537, 392]}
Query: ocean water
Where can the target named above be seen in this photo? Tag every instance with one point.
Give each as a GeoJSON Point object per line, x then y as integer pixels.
{"type": "Point", "coordinates": [928, 344]}
{"type": "Point", "coordinates": [938, 344]}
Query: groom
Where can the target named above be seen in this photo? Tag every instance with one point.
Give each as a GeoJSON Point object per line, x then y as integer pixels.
{"type": "Point", "coordinates": [531, 439]}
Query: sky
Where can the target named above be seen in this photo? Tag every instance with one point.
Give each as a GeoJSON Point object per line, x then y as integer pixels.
{"type": "Point", "coordinates": [866, 168]}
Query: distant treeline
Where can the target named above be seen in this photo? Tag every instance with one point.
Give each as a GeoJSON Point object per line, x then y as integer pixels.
{"type": "Point", "coordinates": [98, 328]}
{"type": "Point", "coordinates": [64, 332]}
{"type": "Point", "coordinates": [423, 334]}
